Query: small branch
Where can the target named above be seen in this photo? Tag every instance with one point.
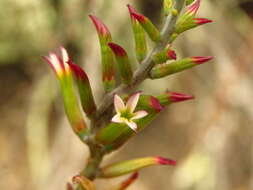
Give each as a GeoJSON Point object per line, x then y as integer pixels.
{"type": "Point", "coordinates": [147, 64]}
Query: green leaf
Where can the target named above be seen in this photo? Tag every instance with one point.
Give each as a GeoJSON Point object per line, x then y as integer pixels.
{"type": "Point", "coordinates": [129, 166]}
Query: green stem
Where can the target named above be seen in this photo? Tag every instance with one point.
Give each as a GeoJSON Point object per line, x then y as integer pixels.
{"type": "Point", "coordinates": [93, 164]}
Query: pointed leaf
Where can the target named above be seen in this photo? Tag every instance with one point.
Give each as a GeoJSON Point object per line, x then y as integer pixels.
{"type": "Point", "coordinates": [148, 26]}
{"type": "Point", "coordinates": [163, 70]}
{"type": "Point", "coordinates": [190, 23]}
{"type": "Point", "coordinates": [139, 36]}
{"type": "Point", "coordinates": [125, 167]}
{"type": "Point", "coordinates": [84, 89]}
{"type": "Point", "coordinates": [123, 63]}
{"type": "Point", "coordinates": [108, 66]}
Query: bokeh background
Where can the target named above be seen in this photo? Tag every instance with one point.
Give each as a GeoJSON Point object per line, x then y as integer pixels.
{"type": "Point", "coordinates": [210, 137]}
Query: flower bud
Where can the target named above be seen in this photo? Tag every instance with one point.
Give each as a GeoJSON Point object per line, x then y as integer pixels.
{"type": "Point", "coordinates": [125, 167]}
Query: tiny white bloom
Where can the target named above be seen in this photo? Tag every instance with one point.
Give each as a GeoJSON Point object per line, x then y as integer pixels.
{"type": "Point", "coordinates": [125, 112]}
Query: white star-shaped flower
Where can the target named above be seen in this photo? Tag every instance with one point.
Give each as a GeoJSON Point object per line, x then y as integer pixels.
{"type": "Point", "coordinates": [125, 112]}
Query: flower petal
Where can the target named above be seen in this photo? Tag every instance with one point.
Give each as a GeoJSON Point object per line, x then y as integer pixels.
{"type": "Point", "coordinates": [132, 125]}
{"type": "Point", "coordinates": [56, 64]}
{"type": "Point", "coordinates": [118, 104]}
{"type": "Point", "coordinates": [65, 58]}
{"type": "Point", "coordinates": [132, 101]}
{"type": "Point", "coordinates": [117, 119]}
{"type": "Point", "coordinates": [139, 114]}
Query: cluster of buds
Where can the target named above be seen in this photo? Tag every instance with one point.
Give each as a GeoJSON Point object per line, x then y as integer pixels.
{"type": "Point", "coordinates": [132, 111]}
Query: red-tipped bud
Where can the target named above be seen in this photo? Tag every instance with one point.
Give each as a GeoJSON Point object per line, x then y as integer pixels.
{"type": "Point", "coordinates": [201, 21]}
{"type": "Point", "coordinates": [172, 54]}
{"type": "Point", "coordinates": [165, 161]}
{"type": "Point", "coordinates": [200, 60]}
{"type": "Point", "coordinates": [118, 50]}
{"type": "Point", "coordinates": [141, 18]}
{"type": "Point", "coordinates": [100, 26]}
{"type": "Point", "coordinates": [131, 11]}
{"type": "Point", "coordinates": [178, 97]}
{"type": "Point", "coordinates": [192, 10]}
{"type": "Point", "coordinates": [156, 104]}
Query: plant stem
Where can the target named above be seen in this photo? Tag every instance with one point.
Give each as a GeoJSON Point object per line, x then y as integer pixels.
{"type": "Point", "coordinates": [92, 167]}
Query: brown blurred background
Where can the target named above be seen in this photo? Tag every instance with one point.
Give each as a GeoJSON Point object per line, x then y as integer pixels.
{"type": "Point", "coordinates": [210, 137]}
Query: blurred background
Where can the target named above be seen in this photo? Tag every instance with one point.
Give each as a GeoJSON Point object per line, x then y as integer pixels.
{"type": "Point", "coordinates": [210, 137]}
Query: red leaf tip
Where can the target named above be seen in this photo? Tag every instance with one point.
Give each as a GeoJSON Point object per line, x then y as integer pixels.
{"type": "Point", "coordinates": [200, 60]}
{"type": "Point", "coordinates": [100, 26]}
{"type": "Point", "coordinates": [78, 71]}
{"type": "Point", "coordinates": [156, 104]}
{"type": "Point", "coordinates": [172, 54]}
{"type": "Point", "coordinates": [117, 49]}
{"type": "Point", "coordinates": [192, 9]}
{"type": "Point", "coordinates": [178, 97]}
{"type": "Point", "coordinates": [141, 18]}
{"type": "Point", "coordinates": [201, 21]}
{"type": "Point", "coordinates": [166, 161]}
{"type": "Point", "coordinates": [131, 10]}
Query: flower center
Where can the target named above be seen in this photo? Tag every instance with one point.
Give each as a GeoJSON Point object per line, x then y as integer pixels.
{"type": "Point", "coordinates": [126, 114]}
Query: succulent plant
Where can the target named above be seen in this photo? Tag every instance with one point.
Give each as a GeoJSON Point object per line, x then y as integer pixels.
{"type": "Point", "coordinates": [122, 113]}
